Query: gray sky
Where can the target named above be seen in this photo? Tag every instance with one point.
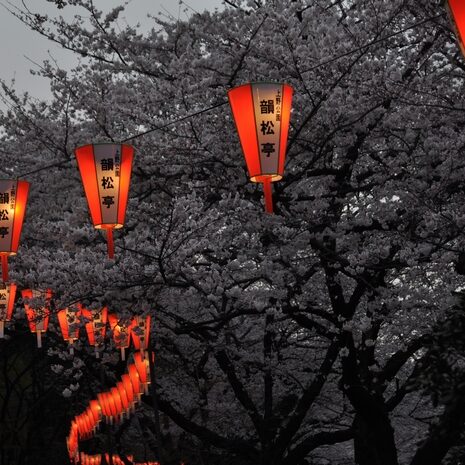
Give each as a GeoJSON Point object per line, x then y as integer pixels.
{"type": "Point", "coordinates": [18, 43]}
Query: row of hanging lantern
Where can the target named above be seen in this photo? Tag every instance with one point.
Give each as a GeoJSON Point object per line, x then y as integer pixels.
{"type": "Point", "coordinates": [86, 459]}
{"type": "Point", "coordinates": [261, 112]}
{"type": "Point", "coordinates": [111, 406]}
{"type": "Point", "coordinates": [136, 328]}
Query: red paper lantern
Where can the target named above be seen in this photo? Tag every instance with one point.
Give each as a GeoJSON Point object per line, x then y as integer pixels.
{"type": "Point", "coordinates": [123, 396]}
{"type": "Point", "coordinates": [121, 333]}
{"type": "Point", "coordinates": [143, 370]}
{"type": "Point", "coordinates": [67, 318]}
{"type": "Point", "coordinates": [37, 317]}
{"type": "Point", "coordinates": [129, 388]}
{"type": "Point", "coordinates": [13, 199]}
{"type": "Point", "coordinates": [135, 380]}
{"type": "Point", "coordinates": [140, 332]}
{"type": "Point", "coordinates": [96, 326]}
{"type": "Point", "coordinates": [106, 173]}
{"type": "Point", "coordinates": [457, 15]}
{"type": "Point", "coordinates": [7, 300]}
{"type": "Point", "coordinates": [262, 113]}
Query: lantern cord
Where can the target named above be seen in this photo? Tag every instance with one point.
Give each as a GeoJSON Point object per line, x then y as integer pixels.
{"type": "Point", "coordinates": [110, 243]}
{"type": "Point", "coordinates": [190, 115]}
{"type": "Point", "coordinates": [373, 42]}
{"type": "Point", "coordinates": [5, 268]}
{"type": "Point", "coordinates": [267, 190]}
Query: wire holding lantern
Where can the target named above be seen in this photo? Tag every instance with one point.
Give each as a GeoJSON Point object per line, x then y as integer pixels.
{"type": "Point", "coordinates": [13, 200]}
{"type": "Point", "coordinates": [106, 173]}
{"type": "Point", "coordinates": [262, 113]}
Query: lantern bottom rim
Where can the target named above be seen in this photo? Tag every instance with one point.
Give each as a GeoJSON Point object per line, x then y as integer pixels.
{"type": "Point", "coordinates": [108, 226]}
{"type": "Point", "coordinates": [9, 253]}
{"type": "Point", "coordinates": [266, 177]}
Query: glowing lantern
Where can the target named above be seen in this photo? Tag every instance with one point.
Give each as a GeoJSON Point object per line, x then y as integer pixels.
{"type": "Point", "coordinates": [128, 387]}
{"type": "Point", "coordinates": [106, 173]}
{"type": "Point", "coordinates": [123, 396]}
{"type": "Point", "coordinates": [121, 333]}
{"type": "Point", "coordinates": [143, 370]}
{"type": "Point", "coordinates": [140, 332]}
{"type": "Point", "coordinates": [96, 326]}
{"type": "Point", "coordinates": [67, 319]}
{"type": "Point", "coordinates": [37, 317]}
{"type": "Point", "coordinates": [135, 380]}
{"type": "Point", "coordinates": [457, 14]}
{"type": "Point", "coordinates": [262, 113]}
{"type": "Point", "coordinates": [7, 300]}
{"type": "Point", "coordinates": [13, 199]}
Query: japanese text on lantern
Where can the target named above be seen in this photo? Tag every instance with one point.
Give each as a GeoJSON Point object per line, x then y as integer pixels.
{"type": "Point", "coordinates": [7, 211]}
{"type": "Point", "coordinates": [108, 160]}
{"type": "Point", "coordinates": [267, 105]}
{"type": "Point", "coordinates": [4, 298]}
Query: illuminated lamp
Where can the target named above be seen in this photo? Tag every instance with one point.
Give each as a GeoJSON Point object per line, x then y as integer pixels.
{"type": "Point", "coordinates": [124, 397]}
{"type": "Point", "coordinates": [13, 199]}
{"type": "Point", "coordinates": [95, 327]}
{"type": "Point", "coordinates": [143, 370]}
{"type": "Point", "coordinates": [457, 14]}
{"type": "Point", "coordinates": [128, 387]}
{"type": "Point", "coordinates": [140, 332]}
{"type": "Point", "coordinates": [37, 317]}
{"type": "Point", "coordinates": [135, 380]}
{"type": "Point", "coordinates": [262, 113]}
{"type": "Point", "coordinates": [102, 400]}
{"type": "Point", "coordinates": [117, 401]}
{"type": "Point", "coordinates": [96, 410]}
{"type": "Point", "coordinates": [67, 319]}
{"type": "Point", "coordinates": [106, 173]}
{"type": "Point", "coordinates": [7, 300]}
{"type": "Point", "coordinates": [121, 333]}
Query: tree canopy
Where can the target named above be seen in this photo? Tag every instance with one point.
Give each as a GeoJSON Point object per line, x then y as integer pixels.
{"type": "Point", "coordinates": [327, 333]}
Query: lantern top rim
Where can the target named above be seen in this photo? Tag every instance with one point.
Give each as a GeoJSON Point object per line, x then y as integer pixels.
{"type": "Point", "coordinates": [260, 82]}
{"type": "Point", "coordinates": [104, 143]}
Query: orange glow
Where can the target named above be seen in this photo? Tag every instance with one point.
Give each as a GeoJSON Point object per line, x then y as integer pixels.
{"type": "Point", "coordinates": [106, 174]}
{"type": "Point", "coordinates": [244, 110]}
{"type": "Point", "coordinates": [65, 318]}
{"type": "Point", "coordinates": [37, 318]}
{"type": "Point", "coordinates": [96, 326]}
{"type": "Point", "coordinates": [457, 13]}
{"type": "Point", "coordinates": [141, 341]}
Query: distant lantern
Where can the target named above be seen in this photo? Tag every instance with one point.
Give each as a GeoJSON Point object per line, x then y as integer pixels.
{"type": "Point", "coordinates": [37, 317]}
{"type": "Point", "coordinates": [95, 326]}
{"type": "Point", "coordinates": [262, 114]}
{"type": "Point", "coordinates": [7, 301]}
{"type": "Point", "coordinates": [121, 333]}
{"type": "Point", "coordinates": [106, 173]}
{"type": "Point", "coordinates": [140, 332]}
{"type": "Point", "coordinates": [457, 14]}
{"type": "Point", "coordinates": [69, 325]}
{"type": "Point", "coordinates": [13, 199]}
{"type": "Point", "coordinates": [143, 370]}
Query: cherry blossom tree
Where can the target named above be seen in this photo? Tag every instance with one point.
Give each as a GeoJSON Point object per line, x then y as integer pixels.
{"type": "Point", "coordinates": [314, 335]}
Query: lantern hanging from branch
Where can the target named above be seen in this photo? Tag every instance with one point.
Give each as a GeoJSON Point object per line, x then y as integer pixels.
{"type": "Point", "coordinates": [7, 300]}
{"type": "Point", "coordinates": [457, 15]}
{"type": "Point", "coordinates": [140, 332]}
{"type": "Point", "coordinates": [262, 113]}
{"type": "Point", "coordinates": [96, 326]}
{"type": "Point", "coordinates": [121, 333]}
{"type": "Point", "coordinates": [106, 172]}
{"type": "Point", "coordinates": [37, 317]}
{"type": "Point", "coordinates": [13, 199]}
{"type": "Point", "coordinates": [69, 325]}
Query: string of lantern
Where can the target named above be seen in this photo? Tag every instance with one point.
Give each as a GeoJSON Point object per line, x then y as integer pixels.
{"type": "Point", "coordinates": [112, 406]}
{"type": "Point", "coordinates": [86, 459]}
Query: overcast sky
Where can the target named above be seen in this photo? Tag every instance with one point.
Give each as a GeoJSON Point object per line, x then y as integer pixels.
{"type": "Point", "coordinates": [18, 44]}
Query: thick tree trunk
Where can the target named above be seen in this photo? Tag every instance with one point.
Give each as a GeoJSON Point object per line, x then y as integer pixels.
{"type": "Point", "coordinates": [374, 440]}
